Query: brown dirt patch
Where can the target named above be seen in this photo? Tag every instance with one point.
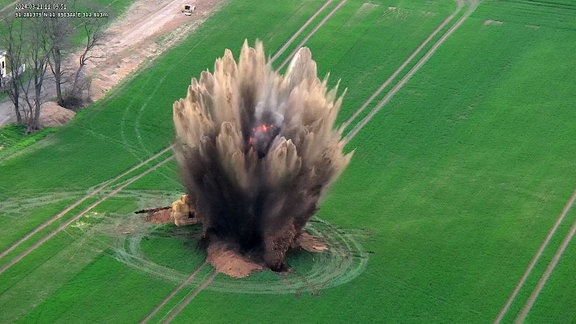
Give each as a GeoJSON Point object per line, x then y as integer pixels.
{"type": "Point", "coordinates": [231, 263]}
{"type": "Point", "coordinates": [163, 216]}
{"type": "Point", "coordinates": [53, 115]}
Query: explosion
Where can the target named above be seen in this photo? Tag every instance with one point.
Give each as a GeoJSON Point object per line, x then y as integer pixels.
{"type": "Point", "coordinates": [257, 150]}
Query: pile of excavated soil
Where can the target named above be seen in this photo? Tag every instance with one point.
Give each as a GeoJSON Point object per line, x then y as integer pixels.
{"type": "Point", "coordinates": [163, 216]}
{"type": "Point", "coordinates": [53, 115]}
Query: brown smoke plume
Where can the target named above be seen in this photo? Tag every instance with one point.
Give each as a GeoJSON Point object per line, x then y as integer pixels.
{"type": "Point", "coordinates": [257, 150]}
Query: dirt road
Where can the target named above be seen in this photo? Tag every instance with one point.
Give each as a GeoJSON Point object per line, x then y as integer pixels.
{"type": "Point", "coordinates": [472, 5]}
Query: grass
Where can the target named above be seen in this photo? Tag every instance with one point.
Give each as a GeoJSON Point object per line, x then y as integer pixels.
{"type": "Point", "coordinates": [459, 178]}
{"type": "Point", "coordinates": [552, 304]}
{"type": "Point", "coordinates": [13, 139]}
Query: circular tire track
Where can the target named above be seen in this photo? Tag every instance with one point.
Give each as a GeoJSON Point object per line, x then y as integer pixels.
{"type": "Point", "coordinates": [342, 262]}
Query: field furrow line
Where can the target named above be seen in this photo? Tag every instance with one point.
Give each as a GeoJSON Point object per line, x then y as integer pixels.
{"type": "Point", "coordinates": [188, 299]}
{"type": "Point", "coordinates": [312, 33]}
{"type": "Point", "coordinates": [82, 213]}
{"type": "Point", "coordinates": [185, 283]}
{"type": "Point", "coordinates": [401, 67]}
{"type": "Point", "coordinates": [546, 275]}
{"type": "Point", "coordinates": [299, 31]}
{"type": "Point", "coordinates": [536, 257]}
{"type": "Point", "coordinates": [103, 186]}
{"type": "Point", "coordinates": [410, 73]}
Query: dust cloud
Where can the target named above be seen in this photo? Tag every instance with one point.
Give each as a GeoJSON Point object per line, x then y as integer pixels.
{"type": "Point", "coordinates": [257, 150]}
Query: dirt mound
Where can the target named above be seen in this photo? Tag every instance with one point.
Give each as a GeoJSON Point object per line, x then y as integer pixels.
{"type": "Point", "coordinates": [53, 115]}
{"type": "Point", "coordinates": [229, 262]}
{"type": "Point", "coordinates": [162, 216]}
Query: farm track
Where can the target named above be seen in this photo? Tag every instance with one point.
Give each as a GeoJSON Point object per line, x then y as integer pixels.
{"type": "Point", "coordinates": [77, 216]}
{"type": "Point", "coordinates": [472, 5]}
{"type": "Point", "coordinates": [312, 33]}
{"type": "Point", "coordinates": [546, 275]}
{"type": "Point", "coordinates": [188, 299]}
{"type": "Point", "coordinates": [173, 293]}
{"type": "Point", "coordinates": [299, 31]}
{"type": "Point", "coordinates": [401, 67]}
{"type": "Point", "coordinates": [535, 260]}
{"type": "Point", "coordinates": [9, 6]}
{"type": "Point", "coordinates": [93, 193]}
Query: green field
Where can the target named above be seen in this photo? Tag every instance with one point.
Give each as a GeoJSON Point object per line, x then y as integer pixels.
{"type": "Point", "coordinates": [454, 186]}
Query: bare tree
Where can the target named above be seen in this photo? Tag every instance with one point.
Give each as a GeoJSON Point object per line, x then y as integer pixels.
{"type": "Point", "coordinates": [37, 44]}
{"type": "Point", "coordinates": [59, 31]}
{"type": "Point", "coordinates": [36, 59]}
{"type": "Point", "coordinates": [93, 30]}
{"type": "Point", "coordinates": [13, 39]}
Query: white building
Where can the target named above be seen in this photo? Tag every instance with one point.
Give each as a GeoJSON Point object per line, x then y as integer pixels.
{"type": "Point", "coordinates": [3, 68]}
{"type": "Point", "coordinates": [3, 64]}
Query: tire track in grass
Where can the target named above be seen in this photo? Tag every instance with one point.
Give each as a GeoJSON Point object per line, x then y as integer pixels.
{"type": "Point", "coordinates": [343, 262]}
{"type": "Point", "coordinates": [386, 83]}
{"type": "Point", "coordinates": [188, 299]}
{"type": "Point", "coordinates": [546, 275]}
{"type": "Point", "coordinates": [472, 6]}
{"type": "Point", "coordinates": [103, 186]}
{"type": "Point", "coordinates": [12, 5]}
{"type": "Point", "coordinates": [164, 301]}
{"type": "Point", "coordinates": [299, 31]}
{"type": "Point", "coordinates": [75, 218]}
{"type": "Point", "coordinates": [535, 259]}
{"type": "Point", "coordinates": [311, 33]}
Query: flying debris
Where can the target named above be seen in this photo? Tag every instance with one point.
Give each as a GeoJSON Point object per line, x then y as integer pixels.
{"type": "Point", "coordinates": [257, 150]}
